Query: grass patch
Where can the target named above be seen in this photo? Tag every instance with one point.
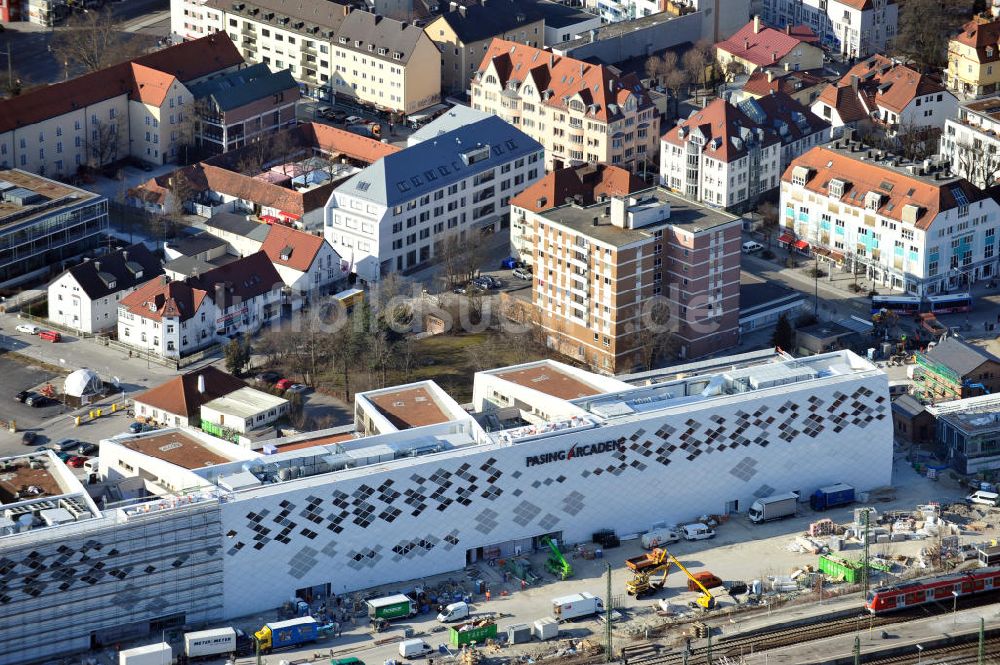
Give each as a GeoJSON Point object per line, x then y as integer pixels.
{"type": "Point", "coordinates": [32, 362]}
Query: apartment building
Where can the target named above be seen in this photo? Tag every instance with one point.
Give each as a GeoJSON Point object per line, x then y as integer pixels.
{"type": "Point", "coordinates": [140, 108]}
{"type": "Point", "coordinates": [971, 141]}
{"type": "Point", "coordinates": [912, 227]}
{"type": "Point", "coordinates": [238, 107]}
{"type": "Point", "coordinates": [583, 185]}
{"type": "Point", "coordinates": [756, 46]}
{"type": "Point", "coordinates": [850, 28]}
{"type": "Point", "coordinates": [882, 92]}
{"type": "Point", "coordinates": [306, 263]}
{"type": "Point", "coordinates": [728, 155]}
{"type": "Point", "coordinates": [465, 30]}
{"type": "Point", "coordinates": [397, 213]}
{"type": "Point", "coordinates": [602, 270]}
{"type": "Point", "coordinates": [85, 297]}
{"type": "Point", "coordinates": [329, 49]}
{"type": "Point", "coordinates": [802, 86]}
{"type": "Point", "coordinates": [173, 318]}
{"type": "Point", "coordinates": [974, 58]}
{"type": "Point", "coordinates": [579, 111]}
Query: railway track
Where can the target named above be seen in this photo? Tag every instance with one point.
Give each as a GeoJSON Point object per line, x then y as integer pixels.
{"type": "Point", "coordinates": [766, 640]}
{"type": "Point", "coordinates": [965, 654]}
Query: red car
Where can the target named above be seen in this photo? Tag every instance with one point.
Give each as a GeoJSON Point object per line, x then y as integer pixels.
{"type": "Point", "coordinates": [283, 384]}
{"type": "Point", "coordinates": [76, 461]}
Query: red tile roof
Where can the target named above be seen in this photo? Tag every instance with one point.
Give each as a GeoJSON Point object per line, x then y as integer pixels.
{"type": "Point", "coordinates": [160, 297]}
{"type": "Point", "coordinates": [180, 394]}
{"type": "Point", "coordinates": [589, 181]}
{"type": "Point", "coordinates": [980, 33]}
{"type": "Point", "coordinates": [881, 82]}
{"type": "Point", "coordinates": [602, 89]}
{"type": "Point", "coordinates": [789, 83]}
{"type": "Point", "coordinates": [355, 146]}
{"type": "Point", "coordinates": [861, 177]}
{"type": "Point", "coordinates": [718, 123]}
{"type": "Point", "coordinates": [151, 86]}
{"type": "Point", "coordinates": [186, 61]}
{"type": "Point", "coordinates": [766, 46]}
{"type": "Point", "coordinates": [300, 247]}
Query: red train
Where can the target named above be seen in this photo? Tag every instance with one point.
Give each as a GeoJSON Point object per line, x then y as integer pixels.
{"type": "Point", "coordinates": [935, 590]}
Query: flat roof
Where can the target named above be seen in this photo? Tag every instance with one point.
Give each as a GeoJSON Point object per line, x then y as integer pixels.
{"type": "Point", "coordinates": [409, 407]}
{"type": "Point", "coordinates": [245, 402]}
{"type": "Point", "coordinates": [989, 107]}
{"type": "Point", "coordinates": [312, 443]}
{"type": "Point", "coordinates": [11, 213]}
{"type": "Point", "coordinates": [684, 214]}
{"type": "Point", "coordinates": [177, 448]}
{"type": "Point", "coordinates": [19, 482]}
{"type": "Point", "coordinates": [550, 380]}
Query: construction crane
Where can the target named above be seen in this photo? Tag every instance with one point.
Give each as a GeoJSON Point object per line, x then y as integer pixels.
{"type": "Point", "coordinates": [556, 563]}
{"type": "Point", "coordinates": [642, 584]}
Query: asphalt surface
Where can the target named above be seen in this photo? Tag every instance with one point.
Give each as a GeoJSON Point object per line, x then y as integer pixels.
{"type": "Point", "coordinates": [19, 376]}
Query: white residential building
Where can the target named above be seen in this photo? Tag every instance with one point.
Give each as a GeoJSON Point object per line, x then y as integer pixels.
{"type": "Point", "coordinates": [901, 225]}
{"type": "Point", "coordinates": [86, 296]}
{"type": "Point", "coordinates": [307, 264]}
{"type": "Point", "coordinates": [852, 28]}
{"type": "Point", "coordinates": [971, 141]}
{"type": "Point", "coordinates": [398, 212]}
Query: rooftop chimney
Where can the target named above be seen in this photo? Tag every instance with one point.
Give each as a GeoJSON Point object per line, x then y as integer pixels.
{"type": "Point", "coordinates": [97, 266]}
{"type": "Point", "coordinates": [770, 76]}
{"type": "Point", "coordinates": [788, 29]}
{"type": "Point", "coordinates": [201, 384]}
{"type": "Point", "coordinates": [461, 10]}
{"type": "Point", "coordinates": [593, 34]}
{"type": "Point", "coordinates": [453, 6]}
{"type": "Point", "coordinates": [854, 81]}
{"type": "Point", "coordinates": [756, 24]}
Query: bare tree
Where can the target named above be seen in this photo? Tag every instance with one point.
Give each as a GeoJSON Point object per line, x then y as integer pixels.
{"type": "Point", "coordinates": [94, 41]}
{"type": "Point", "coordinates": [769, 220]}
{"type": "Point", "coordinates": [104, 141]}
{"type": "Point", "coordinates": [182, 192]}
{"type": "Point", "coordinates": [655, 69]}
{"type": "Point", "coordinates": [655, 337]}
{"type": "Point", "coordinates": [697, 65]}
{"type": "Point", "coordinates": [733, 70]}
{"type": "Point", "coordinates": [979, 164]}
{"type": "Point", "coordinates": [676, 78]}
{"type": "Point", "coordinates": [925, 26]}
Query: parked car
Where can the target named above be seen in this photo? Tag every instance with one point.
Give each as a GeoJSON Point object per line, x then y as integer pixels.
{"type": "Point", "coordinates": [353, 119]}
{"type": "Point", "coordinates": [135, 427]}
{"type": "Point", "coordinates": [509, 263]}
{"type": "Point", "coordinates": [283, 384]}
{"type": "Point", "coordinates": [50, 336]}
{"type": "Point", "coordinates": [22, 395]}
{"type": "Point", "coordinates": [338, 116]}
{"type": "Point", "coordinates": [64, 456]}
{"type": "Point", "coordinates": [76, 461]}
{"type": "Point", "coordinates": [65, 445]}
{"type": "Point", "coordinates": [267, 377]}
{"type": "Point", "coordinates": [35, 400]}
{"type": "Point", "coordinates": [28, 328]}
{"type": "Point", "coordinates": [460, 290]}
{"type": "Point", "coordinates": [297, 388]}
{"type": "Point", "coordinates": [29, 438]}
{"type": "Point", "coordinates": [521, 273]}
{"type": "Point", "coordinates": [87, 449]}
{"type": "Point", "coordinates": [323, 111]}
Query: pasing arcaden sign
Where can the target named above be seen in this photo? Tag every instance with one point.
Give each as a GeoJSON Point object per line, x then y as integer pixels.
{"type": "Point", "coordinates": [578, 450]}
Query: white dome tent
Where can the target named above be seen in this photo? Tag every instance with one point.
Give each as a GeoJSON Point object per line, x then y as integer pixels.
{"type": "Point", "coordinates": [83, 383]}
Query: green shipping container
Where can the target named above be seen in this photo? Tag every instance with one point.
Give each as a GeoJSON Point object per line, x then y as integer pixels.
{"type": "Point", "coordinates": [846, 569]}
{"type": "Point", "coordinates": [478, 635]}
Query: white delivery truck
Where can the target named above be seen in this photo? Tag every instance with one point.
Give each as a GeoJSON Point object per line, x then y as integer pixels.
{"type": "Point", "coordinates": [454, 612]}
{"type": "Point", "coordinates": [773, 507]}
{"type": "Point", "coordinates": [414, 648]}
{"type": "Point", "coordinates": [659, 537]}
{"type": "Point", "coordinates": [151, 654]}
{"type": "Point", "coordinates": [215, 642]}
{"type": "Point", "coordinates": [576, 606]}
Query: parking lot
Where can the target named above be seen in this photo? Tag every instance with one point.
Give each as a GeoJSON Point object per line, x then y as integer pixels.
{"type": "Point", "coordinates": [20, 376]}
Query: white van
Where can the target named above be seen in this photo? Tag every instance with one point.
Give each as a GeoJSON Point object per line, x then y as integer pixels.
{"type": "Point", "coordinates": [659, 538]}
{"type": "Point", "coordinates": [92, 465]}
{"type": "Point", "coordinates": [984, 498]}
{"type": "Point", "coordinates": [414, 648]}
{"type": "Point", "coordinates": [27, 328]}
{"type": "Point", "coordinates": [698, 531]}
{"type": "Point", "coordinates": [454, 612]}
{"type": "Point", "coordinates": [749, 247]}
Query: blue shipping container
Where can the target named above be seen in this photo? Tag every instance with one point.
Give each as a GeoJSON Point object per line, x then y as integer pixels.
{"type": "Point", "coordinates": [832, 496]}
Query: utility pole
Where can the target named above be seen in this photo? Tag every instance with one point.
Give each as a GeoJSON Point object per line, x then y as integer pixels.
{"type": "Point", "coordinates": [708, 653]}
{"type": "Point", "coordinates": [608, 652]}
{"type": "Point", "coordinates": [857, 650]}
{"type": "Point", "coordinates": [10, 69]}
{"type": "Point", "coordinates": [865, 577]}
{"type": "Point", "coordinates": [981, 658]}
{"type": "Point", "coordinates": [815, 284]}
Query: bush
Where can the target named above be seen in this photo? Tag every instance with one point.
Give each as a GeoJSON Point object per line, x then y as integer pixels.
{"type": "Point", "coordinates": [816, 272]}
{"type": "Point", "coordinates": [767, 254]}
{"type": "Point", "coordinates": [855, 287]}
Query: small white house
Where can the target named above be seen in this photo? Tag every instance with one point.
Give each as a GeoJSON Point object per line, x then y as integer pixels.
{"type": "Point", "coordinates": [86, 296]}
{"type": "Point", "coordinates": [241, 411]}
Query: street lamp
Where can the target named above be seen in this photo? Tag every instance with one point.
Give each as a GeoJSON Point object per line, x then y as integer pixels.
{"type": "Point", "coordinates": [920, 653]}
{"type": "Point", "coordinates": [954, 606]}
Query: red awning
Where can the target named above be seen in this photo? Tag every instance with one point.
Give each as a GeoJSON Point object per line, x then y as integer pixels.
{"type": "Point", "coordinates": [290, 215]}
{"type": "Point", "coordinates": [785, 238]}
{"type": "Point", "coordinates": [269, 219]}
{"type": "Point", "coordinates": [801, 244]}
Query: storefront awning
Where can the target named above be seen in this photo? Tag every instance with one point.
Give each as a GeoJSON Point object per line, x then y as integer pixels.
{"type": "Point", "coordinates": [269, 219]}
{"type": "Point", "coordinates": [785, 238]}
{"type": "Point", "coordinates": [290, 215]}
{"type": "Point", "coordinates": [801, 244]}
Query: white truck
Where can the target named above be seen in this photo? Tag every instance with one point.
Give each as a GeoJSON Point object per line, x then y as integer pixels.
{"type": "Point", "coordinates": [659, 537]}
{"type": "Point", "coordinates": [773, 507]}
{"type": "Point", "coordinates": [576, 606]}
{"type": "Point", "coordinates": [151, 654]}
{"type": "Point", "coordinates": [215, 642]}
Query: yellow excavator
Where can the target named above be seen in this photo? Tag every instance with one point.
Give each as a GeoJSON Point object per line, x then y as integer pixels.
{"type": "Point", "coordinates": [642, 583]}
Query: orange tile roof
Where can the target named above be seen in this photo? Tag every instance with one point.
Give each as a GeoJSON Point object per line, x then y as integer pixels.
{"type": "Point", "coordinates": [602, 89]}
{"type": "Point", "coordinates": [353, 145]}
{"type": "Point", "coordinates": [186, 61]}
{"type": "Point", "coordinates": [159, 298]}
{"type": "Point", "coordinates": [300, 247]}
{"type": "Point", "coordinates": [590, 181]}
{"type": "Point", "coordinates": [786, 82]}
{"type": "Point", "coordinates": [180, 395]}
{"type": "Point", "coordinates": [151, 86]}
{"type": "Point", "coordinates": [979, 33]}
{"type": "Point", "coordinates": [861, 177]}
{"type": "Point", "coordinates": [766, 46]}
{"type": "Point", "coordinates": [718, 123]}
{"type": "Point", "coordinates": [885, 83]}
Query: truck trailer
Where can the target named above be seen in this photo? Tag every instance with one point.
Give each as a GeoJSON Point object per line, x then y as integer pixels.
{"type": "Point", "coordinates": [832, 496]}
{"type": "Point", "coordinates": [576, 606]}
{"type": "Point", "coordinates": [216, 642]}
{"type": "Point", "coordinates": [150, 654]}
{"type": "Point", "coordinates": [773, 507]}
{"type": "Point", "coordinates": [388, 608]}
{"type": "Point", "coordinates": [284, 634]}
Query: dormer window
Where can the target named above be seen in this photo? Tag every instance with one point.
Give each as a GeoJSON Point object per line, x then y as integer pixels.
{"type": "Point", "coordinates": [286, 253]}
{"type": "Point", "coordinates": [343, 40]}
{"type": "Point", "coordinates": [112, 284]}
{"type": "Point", "coordinates": [873, 201]}
{"type": "Point", "coordinates": [837, 187]}
{"type": "Point", "coordinates": [383, 51]}
{"type": "Point", "coordinates": [152, 306]}
{"type": "Point", "coordinates": [801, 175]}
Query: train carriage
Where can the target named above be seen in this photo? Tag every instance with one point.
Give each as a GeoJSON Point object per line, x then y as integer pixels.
{"type": "Point", "coordinates": [911, 594]}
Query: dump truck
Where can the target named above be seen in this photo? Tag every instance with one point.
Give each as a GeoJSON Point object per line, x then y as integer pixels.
{"type": "Point", "coordinates": [284, 634]}
{"type": "Point", "coordinates": [832, 496]}
{"type": "Point", "coordinates": [773, 507]}
{"type": "Point", "coordinates": [647, 561]}
{"type": "Point", "coordinates": [473, 631]}
{"type": "Point", "coordinates": [575, 606]}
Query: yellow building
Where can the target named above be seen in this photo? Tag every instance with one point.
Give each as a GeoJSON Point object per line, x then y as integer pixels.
{"type": "Point", "coordinates": [579, 111]}
{"type": "Point", "coordinates": [464, 33]}
{"type": "Point", "coordinates": [973, 55]}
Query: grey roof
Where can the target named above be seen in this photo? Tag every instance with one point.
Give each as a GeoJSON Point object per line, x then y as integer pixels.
{"type": "Point", "coordinates": [474, 22]}
{"type": "Point", "coordinates": [558, 15]}
{"type": "Point", "coordinates": [189, 266]}
{"type": "Point", "coordinates": [125, 268]}
{"type": "Point", "coordinates": [907, 404]}
{"type": "Point", "coordinates": [196, 244]}
{"type": "Point", "coordinates": [359, 30]}
{"type": "Point", "coordinates": [438, 162]}
{"type": "Point", "coordinates": [458, 116]}
{"type": "Point", "coordinates": [232, 223]}
{"type": "Point", "coordinates": [326, 15]}
{"type": "Point", "coordinates": [245, 86]}
{"type": "Point", "coordinates": [958, 356]}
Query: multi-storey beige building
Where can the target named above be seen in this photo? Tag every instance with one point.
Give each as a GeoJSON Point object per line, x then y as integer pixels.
{"type": "Point", "coordinates": [974, 58]}
{"type": "Point", "coordinates": [616, 279]}
{"type": "Point", "coordinates": [329, 49]}
{"type": "Point", "coordinates": [581, 112]}
{"type": "Point", "coordinates": [140, 108]}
